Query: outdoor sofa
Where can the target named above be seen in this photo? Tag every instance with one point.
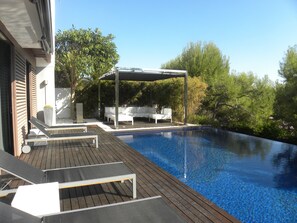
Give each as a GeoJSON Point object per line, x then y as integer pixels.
{"type": "Point", "coordinates": [121, 118]}
{"type": "Point", "coordinates": [166, 114]}
{"type": "Point", "coordinates": [145, 210]}
{"type": "Point", "coordinates": [139, 112]}
{"type": "Point", "coordinates": [66, 177]}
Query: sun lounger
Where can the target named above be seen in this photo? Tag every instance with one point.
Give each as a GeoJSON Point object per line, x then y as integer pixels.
{"type": "Point", "coordinates": [57, 137]}
{"type": "Point", "coordinates": [145, 210]}
{"type": "Point", "coordinates": [58, 127]}
{"type": "Point", "coordinates": [67, 177]}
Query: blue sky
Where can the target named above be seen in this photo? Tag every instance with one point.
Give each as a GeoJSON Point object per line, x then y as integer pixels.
{"type": "Point", "coordinates": [253, 34]}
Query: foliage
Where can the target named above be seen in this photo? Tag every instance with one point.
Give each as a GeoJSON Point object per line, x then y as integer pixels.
{"type": "Point", "coordinates": [170, 93]}
{"type": "Point", "coordinates": [48, 106]}
{"type": "Point", "coordinates": [235, 101]}
{"type": "Point", "coordinates": [207, 62]}
{"type": "Point", "coordinates": [83, 55]}
{"type": "Point", "coordinates": [203, 60]}
{"type": "Point", "coordinates": [286, 99]}
{"type": "Point", "coordinates": [164, 93]}
{"type": "Point", "coordinates": [249, 104]}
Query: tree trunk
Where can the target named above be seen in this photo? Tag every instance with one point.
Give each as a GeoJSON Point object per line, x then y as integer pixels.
{"type": "Point", "coordinates": [72, 106]}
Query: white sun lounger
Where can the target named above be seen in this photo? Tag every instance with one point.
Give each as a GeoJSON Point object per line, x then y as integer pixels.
{"type": "Point", "coordinates": [67, 177]}
{"type": "Point", "coordinates": [58, 137]}
{"type": "Point", "coordinates": [58, 127]}
{"type": "Point", "coordinates": [145, 210]}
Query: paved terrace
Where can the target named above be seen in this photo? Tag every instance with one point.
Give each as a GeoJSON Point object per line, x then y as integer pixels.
{"type": "Point", "coordinates": [151, 180]}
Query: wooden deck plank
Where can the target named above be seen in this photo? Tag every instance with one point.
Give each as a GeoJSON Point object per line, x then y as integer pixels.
{"type": "Point", "coordinates": [151, 180]}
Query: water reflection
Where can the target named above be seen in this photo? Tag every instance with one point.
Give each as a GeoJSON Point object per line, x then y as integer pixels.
{"type": "Point", "coordinates": [237, 172]}
{"type": "Point", "coordinates": [240, 144]}
{"type": "Point", "coordinates": [201, 156]}
{"type": "Point", "coordinates": [286, 162]}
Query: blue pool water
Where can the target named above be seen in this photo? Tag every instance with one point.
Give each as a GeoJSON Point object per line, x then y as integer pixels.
{"type": "Point", "coordinates": [253, 179]}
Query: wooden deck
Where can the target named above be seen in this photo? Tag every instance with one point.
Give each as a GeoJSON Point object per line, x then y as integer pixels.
{"type": "Point", "coordinates": [151, 180]}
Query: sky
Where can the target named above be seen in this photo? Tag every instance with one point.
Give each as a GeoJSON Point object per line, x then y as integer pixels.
{"type": "Point", "coordinates": [253, 34]}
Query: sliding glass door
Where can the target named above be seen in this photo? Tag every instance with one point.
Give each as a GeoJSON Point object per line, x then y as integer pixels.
{"type": "Point", "coordinates": [6, 142]}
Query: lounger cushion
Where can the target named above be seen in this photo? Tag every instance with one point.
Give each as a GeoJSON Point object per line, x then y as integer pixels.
{"type": "Point", "coordinates": [87, 173]}
{"type": "Point", "coordinates": [146, 211]}
{"type": "Point", "coordinates": [9, 214]}
{"type": "Point", "coordinates": [139, 211]}
{"type": "Point", "coordinates": [21, 169]}
{"type": "Point", "coordinates": [54, 126]}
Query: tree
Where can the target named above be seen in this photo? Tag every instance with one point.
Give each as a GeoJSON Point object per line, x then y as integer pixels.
{"type": "Point", "coordinates": [252, 102]}
{"type": "Point", "coordinates": [83, 55]}
{"type": "Point", "coordinates": [206, 61]}
{"type": "Point", "coordinates": [170, 93]}
{"type": "Point", "coordinates": [203, 60]}
{"type": "Point", "coordinates": [236, 101]}
{"type": "Point", "coordinates": [286, 96]}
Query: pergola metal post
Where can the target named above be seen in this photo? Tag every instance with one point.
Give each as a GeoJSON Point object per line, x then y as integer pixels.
{"type": "Point", "coordinates": [117, 80]}
{"type": "Point", "coordinates": [186, 98]}
{"type": "Point", "coordinates": [99, 99]}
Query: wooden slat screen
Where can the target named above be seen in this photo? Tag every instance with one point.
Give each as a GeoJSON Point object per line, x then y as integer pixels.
{"type": "Point", "coordinates": [20, 101]}
{"type": "Point", "coordinates": [33, 96]}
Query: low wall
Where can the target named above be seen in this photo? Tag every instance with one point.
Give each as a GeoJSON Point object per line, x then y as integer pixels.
{"type": "Point", "coordinates": [63, 104]}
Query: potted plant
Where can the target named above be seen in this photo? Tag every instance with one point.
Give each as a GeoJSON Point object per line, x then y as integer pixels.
{"type": "Point", "coordinates": [48, 114]}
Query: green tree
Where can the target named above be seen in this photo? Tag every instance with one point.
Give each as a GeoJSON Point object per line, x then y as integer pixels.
{"type": "Point", "coordinates": [236, 101]}
{"type": "Point", "coordinates": [252, 102]}
{"type": "Point", "coordinates": [286, 97]}
{"type": "Point", "coordinates": [170, 93]}
{"type": "Point", "coordinates": [206, 61]}
{"type": "Point", "coordinates": [83, 55]}
{"type": "Point", "coordinates": [203, 60]}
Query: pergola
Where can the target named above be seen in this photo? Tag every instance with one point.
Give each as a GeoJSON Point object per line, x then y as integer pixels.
{"type": "Point", "coordinates": [138, 74]}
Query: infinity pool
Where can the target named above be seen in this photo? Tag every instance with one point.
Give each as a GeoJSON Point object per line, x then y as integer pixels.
{"type": "Point", "coordinates": [253, 179]}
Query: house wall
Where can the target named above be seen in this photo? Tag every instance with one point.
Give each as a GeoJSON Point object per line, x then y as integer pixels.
{"type": "Point", "coordinates": [45, 78]}
{"type": "Point", "coordinates": [45, 86]}
{"type": "Point", "coordinates": [63, 103]}
{"type": "Point", "coordinates": [31, 78]}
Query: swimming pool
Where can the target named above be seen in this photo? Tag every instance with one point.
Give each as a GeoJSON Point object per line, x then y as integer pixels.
{"type": "Point", "coordinates": [253, 179]}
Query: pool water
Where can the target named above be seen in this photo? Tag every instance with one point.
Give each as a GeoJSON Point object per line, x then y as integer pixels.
{"type": "Point", "coordinates": [251, 178]}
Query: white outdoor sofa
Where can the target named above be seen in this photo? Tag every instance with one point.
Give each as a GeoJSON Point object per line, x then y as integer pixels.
{"type": "Point", "coordinates": [110, 116]}
{"type": "Point", "coordinates": [121, 118]}
{"type": "Point", "coordinates": [128, 113]}
{"type": "Point", "coordinates": [166, 114]}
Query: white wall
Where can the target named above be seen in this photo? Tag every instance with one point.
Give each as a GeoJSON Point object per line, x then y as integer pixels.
{"type": "Point", "coordinates": [63, 103]}
{"type": "Point", "coordinates": [45, 84]}
{"type": "Point", "coordinates": [45, 75]}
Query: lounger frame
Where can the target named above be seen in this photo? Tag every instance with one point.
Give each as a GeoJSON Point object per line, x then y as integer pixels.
{"type": "Point", "coordinates": [152, 209]}
{"type": "Point", "coordinates": [57, 127]}
{"type": "Point", "coordinates": [48, 137]}
{"type": "Point", "coordinates": [78, 183]}
{"type": "Point", "coordinates": [131, 177]}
